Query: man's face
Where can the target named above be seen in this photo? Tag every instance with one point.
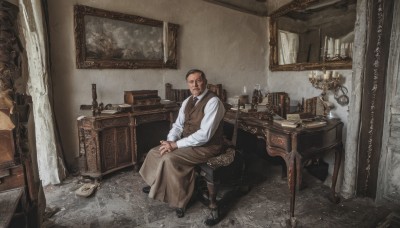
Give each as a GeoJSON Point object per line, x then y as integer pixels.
{"type": "Point", "coordinates": [196, 84]}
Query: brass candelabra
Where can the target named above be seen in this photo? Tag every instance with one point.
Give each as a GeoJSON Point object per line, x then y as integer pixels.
{"type": "Point", "coordinates": [325, 82]}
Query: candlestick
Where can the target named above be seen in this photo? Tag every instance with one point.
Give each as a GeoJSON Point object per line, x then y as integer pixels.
{"type": "Point", "coordinates": [331, 81]}
{"type": "Point", "coordinates": [337, 47]}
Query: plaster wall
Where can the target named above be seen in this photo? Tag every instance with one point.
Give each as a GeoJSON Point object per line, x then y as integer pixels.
{"type": "Point", "coordinates": [230, 46]}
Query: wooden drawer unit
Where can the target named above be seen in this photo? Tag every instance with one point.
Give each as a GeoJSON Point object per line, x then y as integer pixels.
{"type": "Point", "coordinates": [105, 144]}
{"type": "Point", "coordinates": [12, 177]}
{"type": "Point", "coordinates": [110, 142]}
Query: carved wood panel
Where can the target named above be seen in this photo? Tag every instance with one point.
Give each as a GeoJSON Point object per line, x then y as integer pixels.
{"type": "Point", "coordinates": [373, 96]}
{"type": "Point", "coordinates": [90, 145]}
{"type": "Point", "coordinates": [108, 148]}
{"type": "Point", "coordinates": [124, 154]}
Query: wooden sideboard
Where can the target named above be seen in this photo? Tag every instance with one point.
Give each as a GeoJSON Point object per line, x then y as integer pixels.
{"type": "Point", "coordinates": [111, 142]}
{"type": "Point", "coordinates": [296, 146]}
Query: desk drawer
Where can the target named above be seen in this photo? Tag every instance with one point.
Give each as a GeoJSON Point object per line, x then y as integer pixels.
{"type": "Point", "coordinates": [12, 178]}
{"type": "Point", "coordinates": [115, 122]}
{"type": "Point", "coordinates": [278, 140]}
{"type": "Point", "coordinates": [151, 118]}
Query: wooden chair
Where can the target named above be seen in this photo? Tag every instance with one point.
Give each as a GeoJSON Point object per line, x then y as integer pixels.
{"type": "Point", "coordinates": [218, 90]}
{"type": "Point", "coordinates": [179, 95]}
{"type": "Point", "coordinates": [226, 169]}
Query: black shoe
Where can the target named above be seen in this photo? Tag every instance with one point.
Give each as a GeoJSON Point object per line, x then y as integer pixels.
{"type": "Point", "coordinates": [146, 189]}
{"type": "Point", "coordinates": [180, 212]}
{"type": "Point", "coordinates": [213, 218]}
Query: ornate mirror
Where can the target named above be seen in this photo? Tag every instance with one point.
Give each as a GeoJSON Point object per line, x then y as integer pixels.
{"type": "Point", "coordinates": [312, 34]}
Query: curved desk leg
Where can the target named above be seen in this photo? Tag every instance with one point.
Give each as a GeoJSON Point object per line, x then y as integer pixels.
{"type": "Point", "coordinates": [292, 182]}
{"type": "Point", "coordinates": [334, 198]}
{"type": "Point", "coordinates": [292, 177]}
{"type": "Point", "coordinates": [299, 172]}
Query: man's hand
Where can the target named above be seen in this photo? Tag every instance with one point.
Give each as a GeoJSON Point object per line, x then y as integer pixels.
{"type": "Point", "coordinates": [167, 146]}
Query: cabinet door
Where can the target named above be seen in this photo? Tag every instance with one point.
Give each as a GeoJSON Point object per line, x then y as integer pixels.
{"type": "Point", "coordinates": [124, 149]}
{"type": "Point", "coordinates": [116, 150]}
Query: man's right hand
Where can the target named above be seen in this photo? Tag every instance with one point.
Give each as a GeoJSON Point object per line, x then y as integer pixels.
{"type": "Point", "coordinates": [167, 146]}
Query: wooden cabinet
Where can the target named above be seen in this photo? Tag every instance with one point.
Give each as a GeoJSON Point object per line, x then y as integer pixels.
{"type": "Point", "coordinates": [111, 142]}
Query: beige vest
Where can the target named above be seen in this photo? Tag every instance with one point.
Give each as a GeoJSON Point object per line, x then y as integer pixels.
{"type": "Point", "coordinates": [193, 119]}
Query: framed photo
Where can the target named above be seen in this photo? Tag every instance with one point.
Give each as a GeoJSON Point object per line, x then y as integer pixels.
{"type": "Point", "coordinates": [110, 40]}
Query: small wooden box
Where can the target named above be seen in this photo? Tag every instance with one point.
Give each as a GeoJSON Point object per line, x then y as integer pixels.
{"type": "Point", "coordinates": [142, 97]}
{"type": "Point", "coordinates": [7, 148]}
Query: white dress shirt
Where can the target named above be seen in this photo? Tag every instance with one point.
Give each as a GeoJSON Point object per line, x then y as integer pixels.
{"type": "Point", "coordinates": [214, 112]}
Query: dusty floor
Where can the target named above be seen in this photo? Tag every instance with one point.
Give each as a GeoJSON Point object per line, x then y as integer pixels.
{"type": "Point", "coordinates": [119, 202]}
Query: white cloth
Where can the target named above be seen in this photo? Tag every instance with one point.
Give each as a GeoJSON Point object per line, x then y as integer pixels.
{"type": "Point", "coordinates": [288, 46]}
{"type": "Point", "coordinates": [214, 112]}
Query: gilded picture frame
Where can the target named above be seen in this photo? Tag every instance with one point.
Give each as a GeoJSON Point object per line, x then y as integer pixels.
{"type": "Point", "coordinates": [111, 40]}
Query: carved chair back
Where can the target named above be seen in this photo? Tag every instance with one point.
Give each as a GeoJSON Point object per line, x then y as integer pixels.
{"type": "Point", "coordinates": [179, 95]}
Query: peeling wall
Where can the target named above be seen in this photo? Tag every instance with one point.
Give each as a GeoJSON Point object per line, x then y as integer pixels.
{"type": "Point", "coordinates": [230, 46]}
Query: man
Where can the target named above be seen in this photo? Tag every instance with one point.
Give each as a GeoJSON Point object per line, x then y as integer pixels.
{"type": "Point", "coordinates": [195, 137]}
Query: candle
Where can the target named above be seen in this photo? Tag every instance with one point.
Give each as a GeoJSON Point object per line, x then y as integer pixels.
{"type": "Point", "coordinates": [337, 47]}
{"type": "Point", "coordinates": [330, 47]}
{"type": "Point", "coordinates": [327, 75]}
{"type": "Point", "coordinates": [342, 51]}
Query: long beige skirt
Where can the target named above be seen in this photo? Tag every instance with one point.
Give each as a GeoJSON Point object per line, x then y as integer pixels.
{"type": "Point", "coordinates": [172, 176]}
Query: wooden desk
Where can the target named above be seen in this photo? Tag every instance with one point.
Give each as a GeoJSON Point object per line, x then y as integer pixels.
{"type": "Point", "coordinates": [296, 146]}
{"type": "Point", "coordinates": [108, 143]}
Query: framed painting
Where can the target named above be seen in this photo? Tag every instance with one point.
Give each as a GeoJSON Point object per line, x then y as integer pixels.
{"type": "Point", "coordinates": [111, 40]}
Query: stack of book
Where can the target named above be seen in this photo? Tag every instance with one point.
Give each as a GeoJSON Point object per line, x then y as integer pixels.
{"type": "Point", "coordinates": [116, 108]}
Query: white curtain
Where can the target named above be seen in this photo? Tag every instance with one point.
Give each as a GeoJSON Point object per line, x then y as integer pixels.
{"type": "Point", "coordinates": [288, 46]}
{"type": "Point", "coordinates": [50, 162]}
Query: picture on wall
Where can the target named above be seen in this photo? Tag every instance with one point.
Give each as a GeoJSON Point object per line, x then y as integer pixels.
{"type": "Point", "coordinates": [106, 39]}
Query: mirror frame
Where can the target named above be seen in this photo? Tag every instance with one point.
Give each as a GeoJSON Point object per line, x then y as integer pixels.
{"type": "Point", "coordinates": [273, 43]}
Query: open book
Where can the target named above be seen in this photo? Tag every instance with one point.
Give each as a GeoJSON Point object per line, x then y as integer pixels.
{"type": "Point", "coordinates": [286, 123]}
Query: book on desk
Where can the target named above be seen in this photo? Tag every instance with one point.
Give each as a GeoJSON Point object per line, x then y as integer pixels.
{"type": "Point", "coordinates": [297, 120]}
